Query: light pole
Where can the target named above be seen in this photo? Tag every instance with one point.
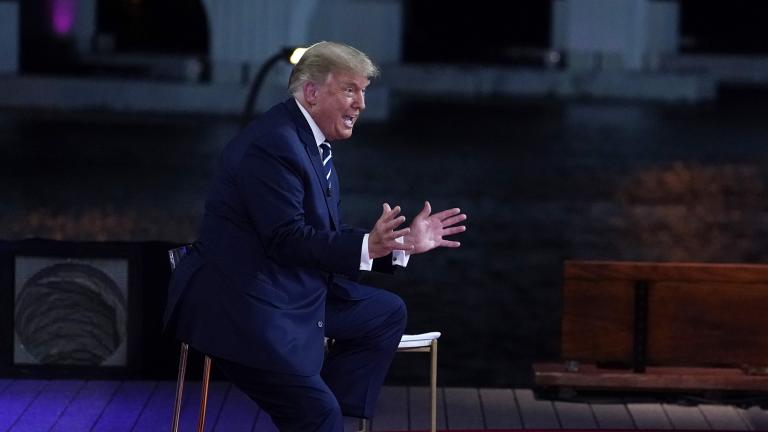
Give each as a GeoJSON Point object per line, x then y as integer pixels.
{"type": "Point", "coordinates": [289, 54]}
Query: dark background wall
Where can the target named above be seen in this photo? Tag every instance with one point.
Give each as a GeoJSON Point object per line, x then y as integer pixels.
{"type": "Point", "coordinates": [542, 181]}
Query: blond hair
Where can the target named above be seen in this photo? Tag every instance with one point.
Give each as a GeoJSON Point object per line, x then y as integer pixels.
{"type": "Point", "coordinates": [323, 58]}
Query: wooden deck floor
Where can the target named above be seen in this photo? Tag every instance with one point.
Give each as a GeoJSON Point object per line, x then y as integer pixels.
{"type": "Point", "coordinates": [72, 406]}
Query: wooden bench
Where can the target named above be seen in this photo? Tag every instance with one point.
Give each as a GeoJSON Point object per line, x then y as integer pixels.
{"type": "Point", "coordinates": [663, 326]}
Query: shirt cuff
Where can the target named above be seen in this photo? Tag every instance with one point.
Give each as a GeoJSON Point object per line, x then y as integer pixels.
{"type": "Point", "coordinates": [366, 263]}
{"type": "Point", "coordinates": [400, 257]}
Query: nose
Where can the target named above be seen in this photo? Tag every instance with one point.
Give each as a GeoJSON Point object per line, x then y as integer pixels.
{"type": "Point", "coordinates": [360, 100]}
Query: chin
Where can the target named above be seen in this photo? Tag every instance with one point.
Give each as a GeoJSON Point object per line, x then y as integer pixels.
{"type": "Point", "coordinates": [342, 135]}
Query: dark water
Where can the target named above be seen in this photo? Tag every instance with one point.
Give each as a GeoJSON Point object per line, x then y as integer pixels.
{"type": "Point", "coordinates": [541, 181]}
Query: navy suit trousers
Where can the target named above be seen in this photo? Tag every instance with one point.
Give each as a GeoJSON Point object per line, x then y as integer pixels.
{"type": "Point", "coordinates": [365, 334]}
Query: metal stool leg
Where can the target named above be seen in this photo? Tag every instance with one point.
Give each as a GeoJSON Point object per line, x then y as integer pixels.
{"type": "Point", "coordinates": [433, 386]}
{"type": "Point", "coordinates": [179, 387]}
{"type": "Point", "coordinates": [204, 394]}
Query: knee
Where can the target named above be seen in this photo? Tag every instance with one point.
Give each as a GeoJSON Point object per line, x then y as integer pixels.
{"type": "Point", "coordinates": [321, 412]}
{"type": "Point", "coordinates": [401, 314]}
{"type": "Point", "coordinates": [328, 409]}
{"type": "Point", "coordinates": [398, 316]}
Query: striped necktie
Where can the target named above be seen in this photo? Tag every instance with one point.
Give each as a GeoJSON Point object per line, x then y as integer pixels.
{"type": "Point", "coordinates": [326, 155]}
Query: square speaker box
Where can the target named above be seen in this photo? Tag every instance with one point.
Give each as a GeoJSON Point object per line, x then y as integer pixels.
{"type": "Point", "coordinates": [70, 311]}
{"type": "Point", "coordinates": [70, 308]}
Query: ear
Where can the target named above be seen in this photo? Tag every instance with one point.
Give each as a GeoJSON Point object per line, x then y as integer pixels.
{"type": "Point", "coordinates": [310, 91]}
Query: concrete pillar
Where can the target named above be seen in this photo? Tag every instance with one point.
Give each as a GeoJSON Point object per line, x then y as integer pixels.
{"type": "Point", "coordinates": [244, 33]}
{"type": "Point", "coordinates": [374, 27]}
{"type": "Point", "coordinates": [9, 37]}
{"type": "Point", "coordinates": [663, 31]}
{"type": "Point", "coordinates": [614, 34]}
{"type": "Point", "coordinates": [84, 27]}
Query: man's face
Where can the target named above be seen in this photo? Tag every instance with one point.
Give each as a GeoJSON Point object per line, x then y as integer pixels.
{"type": "Point", "coordinates": [337, 103]}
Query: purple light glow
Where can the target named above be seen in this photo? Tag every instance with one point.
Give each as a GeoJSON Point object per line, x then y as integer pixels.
{"type": "Point", "coordinates": [62, 15]}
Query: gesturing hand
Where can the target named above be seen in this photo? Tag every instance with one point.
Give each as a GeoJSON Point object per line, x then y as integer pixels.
{"type": "Point", "coordinates": [427, 231]}
{"type": "Point", "coordinates": [381, 239]}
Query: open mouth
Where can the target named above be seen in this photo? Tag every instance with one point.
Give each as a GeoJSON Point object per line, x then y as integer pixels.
{"type": "Point", "coordinates": [349, 121]}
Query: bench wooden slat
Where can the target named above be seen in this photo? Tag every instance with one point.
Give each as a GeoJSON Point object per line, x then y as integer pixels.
{"type": "Point", "coordinates": [690, 323]}
{"type": "Point", "coordinates": [597, 321]}
{"type": "Point", "coordinates": [658, 271]}
{"type": "Point", "coordinates": [654, 378]}
{"type": "Point", "coordinates": [714, 324]}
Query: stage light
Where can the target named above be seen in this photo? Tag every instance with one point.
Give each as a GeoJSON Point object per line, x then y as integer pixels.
{"type": "Point", "coordinates": [296, 55]}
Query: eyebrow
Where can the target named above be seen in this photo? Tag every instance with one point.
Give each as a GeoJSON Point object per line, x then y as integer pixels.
{"type": "Point", "coordinates": [353, 84]}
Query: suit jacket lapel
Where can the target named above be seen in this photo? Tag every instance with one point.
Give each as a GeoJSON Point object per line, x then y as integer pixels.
{"type": "Point", "coordinates": [306, 136]}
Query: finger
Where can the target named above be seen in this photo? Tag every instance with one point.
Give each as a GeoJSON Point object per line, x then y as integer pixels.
{"type": "Point", "coordinates": [393, 213]}
{"type": "Point", "coordinates": [391, 218]}
{"type": "Point", "coordinates": [454, 220]}
{"type": "Point", "coordinates": [384, 212]}
{"type": "Point", "coordinates": [400, 246]}
{"type": "Point", "coordinates": [446, 213]}
{"type": "Point", "coordinates": [454, 230]}
{"type": "Point", "coordinates": [450, 244]}
{"type": "Point", "coordinates": [394, 223]}
{"type": "Point", "coordinates": [393, 235]}
{"type": "Point", "coordinates": [388, 213]}
{"type": "Point", "coordinates": [425, 211]}
{"type": "Point", "coordinates": [399, 233]}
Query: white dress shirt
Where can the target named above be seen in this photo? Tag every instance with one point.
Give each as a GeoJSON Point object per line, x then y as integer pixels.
{"type": "Point", "coordinates": [399, 257]}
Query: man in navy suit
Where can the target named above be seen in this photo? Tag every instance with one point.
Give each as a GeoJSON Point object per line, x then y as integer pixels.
{"type": "Point", "coordinates": [274, 271]}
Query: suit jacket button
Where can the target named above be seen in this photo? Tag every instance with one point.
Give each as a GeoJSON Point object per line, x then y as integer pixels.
{"type": "Point", "coordinates": [319, 323]}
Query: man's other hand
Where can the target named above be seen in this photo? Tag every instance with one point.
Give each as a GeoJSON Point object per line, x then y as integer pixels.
{"type": "Point", "coordinates": [382, 239]}
{"type": "Point", "coordinates": [427, 231]}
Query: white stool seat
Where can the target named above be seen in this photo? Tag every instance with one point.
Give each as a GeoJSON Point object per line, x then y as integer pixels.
{"type": "Point", "coordinates": [418, 340]}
